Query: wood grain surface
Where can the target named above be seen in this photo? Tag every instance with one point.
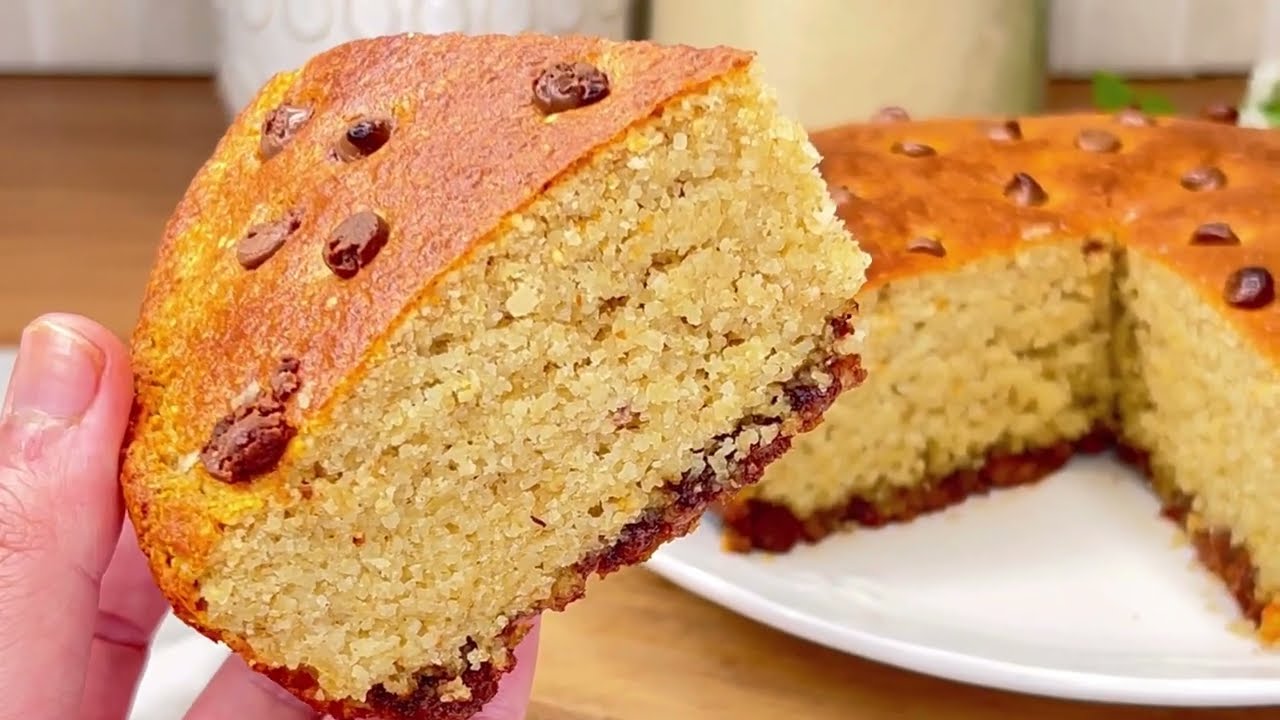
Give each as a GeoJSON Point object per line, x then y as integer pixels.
{"type": "Point", "coordinates": [92, 167]}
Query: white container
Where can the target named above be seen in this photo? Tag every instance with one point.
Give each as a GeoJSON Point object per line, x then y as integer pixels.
{"type": "Point", "coordinates": [1159, 38]}
{"type": "Point", "coordinates": [1264, 78]}
{"type": "Point", "coordinates": [834, 61]}
{"type": "Point", "coordinates": [154, 37]}
{"type": "Point", "coordinates": [258, 38]}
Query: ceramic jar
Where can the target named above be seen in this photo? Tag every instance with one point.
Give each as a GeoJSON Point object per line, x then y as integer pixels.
{"type": "Point", "coordinates": [257, 38]}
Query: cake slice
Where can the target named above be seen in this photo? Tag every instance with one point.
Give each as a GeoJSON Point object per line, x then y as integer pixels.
{"type": "Point", "coordinates": [448, 324]}
{"type": "Point", "coordinates": [1039, 287]}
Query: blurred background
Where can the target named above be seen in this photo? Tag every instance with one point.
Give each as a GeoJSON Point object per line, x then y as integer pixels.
{"type": "Point", "coordinates": [112, 104]}
{"type": "Point", "coordinates": [109, 107]}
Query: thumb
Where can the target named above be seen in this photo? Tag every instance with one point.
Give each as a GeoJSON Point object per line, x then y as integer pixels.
{"type": "Point", "coordinates": [60, 513]}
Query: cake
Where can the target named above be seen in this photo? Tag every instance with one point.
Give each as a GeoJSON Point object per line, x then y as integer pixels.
{"type": "Point", "coordinates": [1044, 286]}
{"type": "Point", "coordinates": [448, 324]}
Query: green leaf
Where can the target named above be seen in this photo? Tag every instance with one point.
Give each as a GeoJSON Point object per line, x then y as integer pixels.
{"type": "Point", "coordinates": [1156, 105]}
{"type": "Point", "coordinates": [1271, 107]}
{"type": "Point", "coordinates": [1111, 92]}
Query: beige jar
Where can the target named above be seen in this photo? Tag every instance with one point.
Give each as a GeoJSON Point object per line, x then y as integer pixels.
{"type": "Point", "coordinates": [834, 61]}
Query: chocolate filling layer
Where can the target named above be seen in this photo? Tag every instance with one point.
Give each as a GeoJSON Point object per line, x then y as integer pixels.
{"type": "Point", "coordinates": [755, 524]}
{"type": "Point", "coordinates": [760, 525]}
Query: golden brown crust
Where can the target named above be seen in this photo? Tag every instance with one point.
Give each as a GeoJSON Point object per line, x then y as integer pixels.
{"type": "Point", "coordinates": [468, 148]}
{"type": "Point", "coordinates": [1133, 195]}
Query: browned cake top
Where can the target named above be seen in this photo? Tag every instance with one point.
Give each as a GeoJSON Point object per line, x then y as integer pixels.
{"type": "Point", "coordinates": [345, 188]}
{"type": "Point", "coordinates": [927, 196]}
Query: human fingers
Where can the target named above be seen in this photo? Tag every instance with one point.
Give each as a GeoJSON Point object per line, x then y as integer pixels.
{"type": "Point", "coordinates": [129, 609]}
{"type": "Point", "coordinates": [61, 427]}
{"type": "Point", "coordinates": [238, 693]}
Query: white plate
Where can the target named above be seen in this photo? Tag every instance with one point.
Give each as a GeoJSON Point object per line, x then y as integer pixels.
{"type": "Point", "coordinates": [1073, 588]}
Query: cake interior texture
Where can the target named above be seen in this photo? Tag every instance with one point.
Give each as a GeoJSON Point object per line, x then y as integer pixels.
{"type": "Point", "coordinates": [612, 337]}
{"type": "Point", "coordinates": [992, 374]}
{"type": "Point", "coordinates": [1196, 399]}
{"type": "Point", "coordinates": [1007, 353]}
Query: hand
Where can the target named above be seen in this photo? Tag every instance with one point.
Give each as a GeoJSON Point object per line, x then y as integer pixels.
{"type": "Point", "coordinates": [78, 605]}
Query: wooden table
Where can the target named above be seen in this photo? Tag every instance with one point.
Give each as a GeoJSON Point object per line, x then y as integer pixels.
{"type": "Point", "coordinates": [92, 168]}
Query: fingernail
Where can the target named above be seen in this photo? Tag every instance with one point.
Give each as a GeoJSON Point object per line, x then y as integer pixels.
{"type": "Point", "coordinates": [57, 372]}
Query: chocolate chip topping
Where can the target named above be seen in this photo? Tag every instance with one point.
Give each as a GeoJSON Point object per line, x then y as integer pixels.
{"type": "Point", "coordinates": [890, 114]}
{"type": "Point", "coordinates": [1133, 117]}
{"type": "Point", "coordinates": [1093, 245]}
{"type": "Point", "coordinates": [363, 138]}
{"type": "Point", "coordinates": [284, 380]}
{"type": "Point", "coordinates": [1221, 112]}
{"type": "Point", "coordinates": [1007, 131]}
{"type": "Point", "coordinates": [262, 241]}
{"type": "Point", "coordinates": [927, 246]}
{"type": "Point", "coordinates": [279, 127]}
{"type": "Point", "coordinates": [252, 438]}
{"type": "Point", "coordinates": [1250, 288]}
{"type": "Point", "coordinates": [1214, 233]}
{"type": "Point", "coordinates": [1097, 141]}
{"type": "Point", "coordinates": [568, 86]}
{"type": "Point", "coordinates": [913, 149]}
{"type": "Point", "coordinates": [840, 195]}
{"type": "Point", "coordinates": [355, 243]}
{"type": "Point", "coordinates": [248, 442]}
{"type": "Point", "coordinates": [1204, 177]}
{"type": "Point", "coordinates": [1023, 190]}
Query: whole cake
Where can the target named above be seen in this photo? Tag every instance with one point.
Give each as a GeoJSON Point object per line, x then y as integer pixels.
{"type": "Point", "coordinates": [448, 324]}
{"type": "Point", "coordinates": [1045, 285]}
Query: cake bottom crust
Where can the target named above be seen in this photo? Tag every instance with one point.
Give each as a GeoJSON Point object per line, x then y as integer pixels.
{"type": "Point", "coordinates": [685, 500]}
{"type": "Point", "coordinates": [753, 524]}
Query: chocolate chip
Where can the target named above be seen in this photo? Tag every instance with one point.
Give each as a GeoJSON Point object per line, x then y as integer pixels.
{"type": "Point", "coordinates": [280, 125]}
{"type": "Point", "coordinates": [284, 380]}
{"type": "Point", "coordinates": [262, 241]}
{"type": "Point", "coordinates": [355, 243]}
{"type": "Point", "coordinates": [247, 442]}
{"type": "Point", "coordinates": [1007, 131]}
{"type": "Point", "coordinates": [1133, 117]}
{"type": "Point", "coordinates": [912, 149]}
{"type": "Point", "coordinates": [363, 139]}
{"type": "Point", "coordinates": [1204, 177]}
{"type": "Point", "coordinates": [927, 246]}
{"type": "Point", "coordinates": [1214, 233]}
{"type": "Point", "coordinates": [1023, 190]}
{"type": "Point", "coordinates": [1093, 245]}
{"type": "Point", "coordinates": [568, 86]}
{"type": "Point", "coordinates": [840, 195]}
{"type": "Point", "coordinates": [1250, 288]}
{"type": "Point", "coordinates": [624, 418]}
{"type": "Point", "coordinates": [1220, 112]}
{"type": "Point", "coordinates": [804, 396]}
{"type": "Point", "coordinates": [1097, 141]}
{"type": "Point", "coordinates": [890, 114]}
